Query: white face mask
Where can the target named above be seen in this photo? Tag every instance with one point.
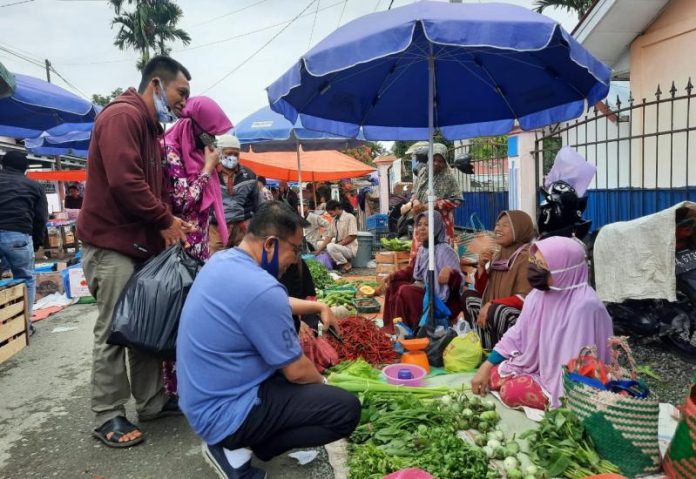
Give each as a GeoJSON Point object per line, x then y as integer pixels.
{"type": "Point", "coordinates": [230, 161]}
{"type": "Point", "coordinates": [165, 113]}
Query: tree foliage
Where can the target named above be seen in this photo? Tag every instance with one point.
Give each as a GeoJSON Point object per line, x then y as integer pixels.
{"type": "Point", "coordinates": [488, 148]}
{"type": "Point", "coordinates": [104, 100]}
{"type": "Point", "coordinates": [151, 27]}
{"type": "Point", "coordinates": [367, 152]}
{"type": "Point", "coordinates": [580, 7]}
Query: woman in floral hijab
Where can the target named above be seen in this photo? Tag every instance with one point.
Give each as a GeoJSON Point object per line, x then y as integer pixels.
{"type": "Point", "coordinates": [448, 195]}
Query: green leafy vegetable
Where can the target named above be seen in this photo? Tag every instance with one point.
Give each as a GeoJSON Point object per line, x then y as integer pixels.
{"type": "Point", "coordinates": [561, 447]}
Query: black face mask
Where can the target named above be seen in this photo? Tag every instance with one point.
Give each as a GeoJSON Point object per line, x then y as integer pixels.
{"type": "Point", "coordinates": [538, 277]}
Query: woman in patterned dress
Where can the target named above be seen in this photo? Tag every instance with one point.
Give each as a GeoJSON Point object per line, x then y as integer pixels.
{"type": "Point", "coordinates": [448, 195]}
{"type": "Point", "coordinates": [191, 162]}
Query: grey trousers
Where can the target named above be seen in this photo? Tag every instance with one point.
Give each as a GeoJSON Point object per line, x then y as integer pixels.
{"type": "Point", "coordinates": [107, 273]}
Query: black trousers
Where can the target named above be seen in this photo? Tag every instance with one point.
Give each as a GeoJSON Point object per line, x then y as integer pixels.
{"type": "Point", "coordinates": [291, 416]}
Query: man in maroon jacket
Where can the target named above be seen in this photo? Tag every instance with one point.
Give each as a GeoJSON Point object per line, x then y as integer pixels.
{"type": "Point", "coordinates": [125, 219]}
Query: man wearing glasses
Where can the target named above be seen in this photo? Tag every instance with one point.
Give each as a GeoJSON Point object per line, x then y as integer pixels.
{"type": "Point", "coordinates": [244, 384]}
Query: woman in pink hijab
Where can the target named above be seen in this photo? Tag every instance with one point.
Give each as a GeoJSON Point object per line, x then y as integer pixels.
{"type": "Point", "coordinates": [192, 159]}
{"type": "Point", "coordinates": [560, 316]}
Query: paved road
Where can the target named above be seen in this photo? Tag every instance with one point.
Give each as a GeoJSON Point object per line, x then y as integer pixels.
{"type": "Point", "coordinates": [45, 421]}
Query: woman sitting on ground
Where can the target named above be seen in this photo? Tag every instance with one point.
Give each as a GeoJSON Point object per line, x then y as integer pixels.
{"type": "Point", "coordinates": [502, 286]}
{"type": "Point", "coordinates": [561, 316]}
{"type": "Point", "coordinates": [406, 288]}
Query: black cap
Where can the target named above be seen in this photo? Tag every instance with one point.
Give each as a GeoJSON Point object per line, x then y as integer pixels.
{"type": "Point", "coordinates": [15, 160]}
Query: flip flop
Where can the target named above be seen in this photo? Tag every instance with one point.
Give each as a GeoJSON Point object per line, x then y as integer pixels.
{"type": "Point", "coordinates": [119, 426]}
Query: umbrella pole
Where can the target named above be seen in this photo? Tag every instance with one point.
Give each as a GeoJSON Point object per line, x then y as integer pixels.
{"type": "Point", "coordinates": [299, 177]}
{"type": "Point", "coordinates": [431, 194]}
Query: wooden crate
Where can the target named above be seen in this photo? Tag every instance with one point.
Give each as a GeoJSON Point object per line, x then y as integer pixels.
{"type": "Point", "coordinates": [13, 321]}
{"type": "Point", "coordinates": [392, 257]}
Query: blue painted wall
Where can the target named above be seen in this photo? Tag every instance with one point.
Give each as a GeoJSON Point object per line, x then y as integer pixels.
{"type": "Point", "coordinates": [609, 206]}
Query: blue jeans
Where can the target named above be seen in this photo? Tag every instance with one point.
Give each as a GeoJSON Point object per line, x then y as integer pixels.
{"type": "Point", "coordinates": [17, 251]}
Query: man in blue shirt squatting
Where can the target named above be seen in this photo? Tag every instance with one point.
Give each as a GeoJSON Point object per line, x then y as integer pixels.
{"type": "Point", "coordinates": [244, 383]}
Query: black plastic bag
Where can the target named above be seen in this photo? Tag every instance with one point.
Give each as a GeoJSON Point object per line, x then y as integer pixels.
{"type": "Point", "coordinates": [146, 316]}
{"type": "Point", "coordinates": [437, 345]}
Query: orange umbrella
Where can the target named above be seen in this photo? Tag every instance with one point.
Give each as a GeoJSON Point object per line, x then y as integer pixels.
{"type": "Point", "coordinates": [60, 175]}
{"type": "Point", "coordinates": [316, 165]}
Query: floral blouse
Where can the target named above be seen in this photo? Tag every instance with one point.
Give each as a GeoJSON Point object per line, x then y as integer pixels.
{"type": "Point", "coordinates": [186, 196]}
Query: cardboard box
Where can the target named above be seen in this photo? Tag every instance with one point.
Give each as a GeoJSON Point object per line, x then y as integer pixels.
{"type": "Point", "coordinates": [392, 257]}
{"type": "Point", "coordinates": [78, 283]}
{"type": "Point", "coordinates": [48, 283]}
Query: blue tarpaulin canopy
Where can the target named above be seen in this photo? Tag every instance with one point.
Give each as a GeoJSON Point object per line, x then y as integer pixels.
{"type": "Point", "coordinates": [467, 69]}
{"type": "Point", "coordinates": [493, 64]}
{"type": "Point", "coordinates": [65, 139]}
{"type": "Point", "coordinates": [37, 105]}
{"type": "Point", "coordinates": [265, 130]}
{"type": "Point", "coordinates": [268, 131]}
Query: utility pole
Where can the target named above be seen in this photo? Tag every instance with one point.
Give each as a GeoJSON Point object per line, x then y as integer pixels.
{"type": "Point", "coordinates": [48, 71]}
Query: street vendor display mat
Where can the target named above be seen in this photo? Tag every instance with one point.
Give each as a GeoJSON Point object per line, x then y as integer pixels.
{"type": "Point", "coordinates": [511, 422]}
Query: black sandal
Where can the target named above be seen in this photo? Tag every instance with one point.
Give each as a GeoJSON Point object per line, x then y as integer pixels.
{"type": "Point", "coordinates": [119, 426]}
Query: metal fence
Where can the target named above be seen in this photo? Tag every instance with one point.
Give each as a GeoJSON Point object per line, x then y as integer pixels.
{"type": "Point", "coordinates": [485, 193]}
{"type": "Point", "coordinates": [643, 151]}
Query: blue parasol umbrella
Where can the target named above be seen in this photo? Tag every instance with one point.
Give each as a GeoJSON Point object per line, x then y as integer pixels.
{"type": "Point", "coordinates": [265, 130]}
{"type": "Point", "coordinates": [467, 69]}
{"type": "Point", "coordinates": [37, 106]}
{"type": "Point", "coordinates": [65, 139]}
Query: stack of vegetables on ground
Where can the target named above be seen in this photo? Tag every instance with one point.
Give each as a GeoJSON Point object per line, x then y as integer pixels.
{"type": "Point", "coordinates": [561, 446]}
{"type": "Point", "coordinates": [398, 432]}
{"type": "Point", "coordinates": [320, 274]}
{"type": "Point", "coordinates": [395, 244]}
{"type": "Point", "coordinates": [337, 296]}
{"type": "Point", "coordinates": [361, 338]}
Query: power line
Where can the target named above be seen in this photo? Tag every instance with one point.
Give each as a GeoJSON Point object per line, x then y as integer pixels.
{"type": "Point", "coordinates": [228, 14]}
{"type": "Point", "coordinates": [22, 57]}
{"type": "Point", "coordinates": [16, 3]}
{"type": "Point", "coordinates": [376, 6]}
{"type": "Point", "coordinates": [390, 4]}
{"type": "Point", "coordinates": [214, 42]}
{"type": "Point", "coordinates": [42, 64]}
{"type": "Point", "coordinates": [84, 95]}
{"type": "Point", "coordinates": [245, 61]}
{"type": "Point", "coordinates": [343, 10]}
{"type": "Point", "coordinates": [314, 24]}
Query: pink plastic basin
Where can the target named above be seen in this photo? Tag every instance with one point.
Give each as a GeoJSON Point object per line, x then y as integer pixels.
{"type": "Point", "coordinates": [391, 372]}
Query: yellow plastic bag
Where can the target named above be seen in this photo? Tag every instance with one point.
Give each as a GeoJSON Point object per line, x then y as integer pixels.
{"type": "Point", "coordinates": [463, 353]}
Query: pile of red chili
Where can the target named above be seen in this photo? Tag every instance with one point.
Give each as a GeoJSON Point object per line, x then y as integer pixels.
{"type": "Point", "coordinates": [363, 339]}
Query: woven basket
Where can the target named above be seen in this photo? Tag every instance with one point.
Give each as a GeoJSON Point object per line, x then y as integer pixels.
{"type": "Point", "coordinates": [623, 428]}
{"type": "Point", "coordinates": [680, 460]}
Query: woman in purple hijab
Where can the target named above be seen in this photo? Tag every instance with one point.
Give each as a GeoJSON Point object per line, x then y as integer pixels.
{"type": "Point", "coordinates": [406, 288]}
{"type": "Point", "coordinates": [561, 316]}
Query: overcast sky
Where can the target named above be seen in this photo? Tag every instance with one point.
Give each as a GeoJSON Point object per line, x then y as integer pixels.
{"type": "Point", "coordinates": [76, 36]}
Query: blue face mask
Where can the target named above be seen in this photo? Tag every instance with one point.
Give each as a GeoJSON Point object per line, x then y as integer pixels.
{"type": "Point", "coordinates": [230, 161]}
{"type": "Point", "coordinates": [165, 113]}
{"type": "Point", "coordinates": [272, 267]}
